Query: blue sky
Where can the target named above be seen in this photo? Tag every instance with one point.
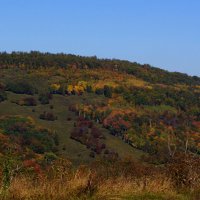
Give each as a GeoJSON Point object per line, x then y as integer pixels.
{"type": "Point", "coordinates": [163, 33]}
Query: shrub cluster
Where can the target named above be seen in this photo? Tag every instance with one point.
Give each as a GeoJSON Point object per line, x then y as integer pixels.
{"type": "Point", "coordinates": [3, 95]}
{"type": "Point", "coordinates": [86, 133]}
{"type": "Point", "coordinates": [21, 87]}
{"type": "Point", "coordinates": [45, 97]}
{"type": "Point", "coordinates": [48, 116]}
{"type": "Point", "coordinates": [23, 137]}
{"type": "Point", "coordinates": [27, 101]}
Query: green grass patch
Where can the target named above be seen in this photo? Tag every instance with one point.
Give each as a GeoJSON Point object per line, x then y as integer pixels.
{"type": "Point", "coordinates": [68, 148]}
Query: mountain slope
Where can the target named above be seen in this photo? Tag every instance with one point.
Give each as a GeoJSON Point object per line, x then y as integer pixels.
{"type": "Point", "coordinates": [103, 108]}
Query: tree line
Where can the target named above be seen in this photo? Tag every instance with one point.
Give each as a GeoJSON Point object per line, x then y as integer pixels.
{"type": "Point", "coordinates": [35, 60]}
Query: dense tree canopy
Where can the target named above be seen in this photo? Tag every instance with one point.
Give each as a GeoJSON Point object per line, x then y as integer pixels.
{"type": "Point", "coordinates": [35, 59]}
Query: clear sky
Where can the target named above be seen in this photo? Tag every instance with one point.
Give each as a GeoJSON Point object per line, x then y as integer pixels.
{"type": "Point", "coordinates": [163, 33]}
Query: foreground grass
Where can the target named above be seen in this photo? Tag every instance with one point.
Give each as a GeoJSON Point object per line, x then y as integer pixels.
{"type": "Point", "coordinates": [82, 187]}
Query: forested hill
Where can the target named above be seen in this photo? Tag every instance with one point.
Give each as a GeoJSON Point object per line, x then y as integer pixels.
{"type": "Point", "coordinates": [36, 59]}
{"type": "Point", "coordinates": [84, 109]}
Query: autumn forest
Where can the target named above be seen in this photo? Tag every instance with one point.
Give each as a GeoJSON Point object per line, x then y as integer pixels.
{"type": "Point", "coordinates": [86, 126]}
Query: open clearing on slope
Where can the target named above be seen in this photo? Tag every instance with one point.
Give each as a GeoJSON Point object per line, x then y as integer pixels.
{"type": "Point", "coordinates": [75, 151]}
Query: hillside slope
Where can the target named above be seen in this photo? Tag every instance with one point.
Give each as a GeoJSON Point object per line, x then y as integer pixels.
{"type": "Point", "coordinates": [102, 107]}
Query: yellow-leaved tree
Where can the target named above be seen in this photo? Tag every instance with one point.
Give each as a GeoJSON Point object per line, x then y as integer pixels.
{"type": "Point", "coordinates": [70, 89]}
{"type": "Point", "coordinates": [55, 87]}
